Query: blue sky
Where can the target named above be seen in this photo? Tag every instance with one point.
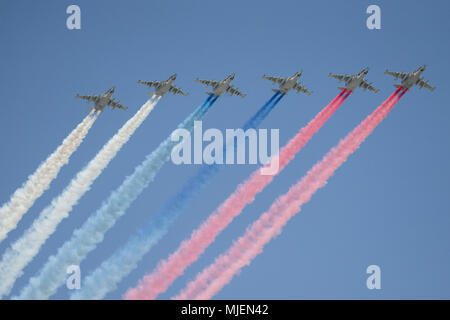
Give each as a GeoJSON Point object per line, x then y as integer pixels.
{"type": "Point", "coordinates": [388, 205]}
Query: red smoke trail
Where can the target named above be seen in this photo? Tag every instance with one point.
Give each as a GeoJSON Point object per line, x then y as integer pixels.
{"type": "Point", "coordinates": [189, 251]}
{"type": "Point", "coordinates": [241, 253]}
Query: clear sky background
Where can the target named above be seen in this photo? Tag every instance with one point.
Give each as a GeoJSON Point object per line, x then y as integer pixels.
{"type": "Point", "coordinates": [389, 205]}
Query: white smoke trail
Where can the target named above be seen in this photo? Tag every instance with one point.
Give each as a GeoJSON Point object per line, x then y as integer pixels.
{"type": "Point", "coordinates": [99, 282]}
{"type": "Point", "coordinates": [25, 196]}
{"type": "Point", "coordinates": [25, 248]}
{"type": "Point", "coordinates": [90, 234]}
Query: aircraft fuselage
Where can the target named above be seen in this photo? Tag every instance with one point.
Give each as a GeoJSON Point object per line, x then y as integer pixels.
{"type": "Point", "coordinates": [411, 79]}
{"type": "Point", "coordinates": [288, 84]}
{"type": "Point", "coordinates": [221, 87]}
{"type": "Point", "coordinates": [354, 82]}
{"type": "Point", "coordinates": [102, 102]}
{"type": "Point", "coordinates": [163, 87]}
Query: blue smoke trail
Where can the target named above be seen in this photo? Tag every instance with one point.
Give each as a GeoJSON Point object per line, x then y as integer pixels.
{"type": "Point", "coordinates": [85, 239]}
{"type": "Point", "coordinates": [106, 277]}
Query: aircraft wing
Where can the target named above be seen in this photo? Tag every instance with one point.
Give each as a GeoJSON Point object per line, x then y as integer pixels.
{"type": "Point", "coordinates": [340, 77]}
{"type": "Point", "coordinates": [365, 85]}
{"type": "Point", "coordinates": [114, 104]}
{"type": "Point", "coordinates": [88, 98]}
{"type": "Point", "coordinates": [149, 83]}
{"type": "Point", "coordinates": [301, 88]}
{"type": "Point", "coordinates": [424, 84]}
{"type": "Point", "coordinates": [208, 82]}
{"type": "Point", "coordinates": [176, 90]}
{"type": "Point", "coordinates": [274, 79]}
{"type": "Point", "coordinates": [232, 90]}
{"type": "Point", "coordinates": [396, 75]}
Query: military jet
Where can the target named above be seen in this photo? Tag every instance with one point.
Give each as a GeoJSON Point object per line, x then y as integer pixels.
{"type": "Point", "coordinates": [162, 87]}
{"type": "Point", "coordinates": [288, 83]}
{"type": "Point", "coordinates": [410, 79]}
{"type": "Point", "coordinates": [222, 86]}
{"type": "Point", "coordinates": [102, 100]}
{"type": "Point", "coordinates": [354, 81]}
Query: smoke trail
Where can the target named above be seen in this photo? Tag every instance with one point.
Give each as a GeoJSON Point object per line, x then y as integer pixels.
{"type": "Point", "coordinates": [25, 248]}
{"type": "Point", "coordinates": [99, 283]}
{"type": "Point", "coordinates": [263, 112]}
{"type": "Point", "coordinates": [269, 225]}
{"type": "Point", "coordinates": [91, 233]}
{"type": "Point", "coordinates": [190, 250]}
{"type": "Point", "coordinates": [24, 197]}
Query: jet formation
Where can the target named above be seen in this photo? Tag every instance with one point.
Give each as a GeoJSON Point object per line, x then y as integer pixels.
{"type": "Point", "coordinates": [352, 82]}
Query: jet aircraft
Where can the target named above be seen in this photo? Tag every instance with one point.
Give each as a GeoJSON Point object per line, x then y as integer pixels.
{"type": "Point", "coordinates": [410, 79]}
{"type": "Point", "coordinates": [222, 86]}
{"type": "Point", "coordinates": [103, 100]}
{"type": "Point", "coordinates": [288, 83]}
{"type": "Point", "coordinates": [162, 87]}
{"type": "Point", "coordinates": [354, 81]}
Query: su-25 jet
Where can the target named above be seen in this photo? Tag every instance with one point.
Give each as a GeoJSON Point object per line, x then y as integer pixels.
{"type": "Point", "coordinates": [162, 87]}
{"type": "Point", "coordinates": [354, 81]}
{"type": "Point", "coordinates": [103, 100]}
{"type": "Point", "coordinates": [410, 79]}
{"type": "Point", "coordinates": [222, 86]}
{"type": "Point", "coordinates": [288, 83]}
